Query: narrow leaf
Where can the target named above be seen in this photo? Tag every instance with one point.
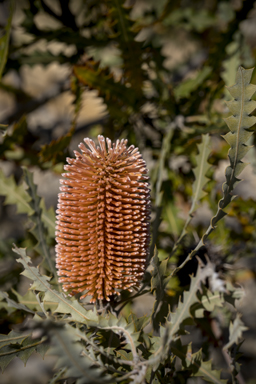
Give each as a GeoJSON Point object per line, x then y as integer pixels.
{"type": "Point", "coordinates": [38, 230]}
{"type": "Point", "coordinates": [200, 180]}
{"type": "Point", "coordinates": [48, 218]}
{"type": "Point", "coordinates": [41, 284]}
{"type": "Point", "coordinates": [165, 150]}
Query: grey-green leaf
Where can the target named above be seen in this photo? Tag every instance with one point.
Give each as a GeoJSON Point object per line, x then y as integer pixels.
{"type": "Point", "coordinates": [42, 284]}
{"type": "Point", "coordinates": [236, 330]}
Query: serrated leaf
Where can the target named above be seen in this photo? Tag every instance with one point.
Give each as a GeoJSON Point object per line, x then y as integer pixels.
{"type": "Point", "coordinates": [102, 80]}
{"type": "Point", "coordinates": [57, 149]}
{"type": "Point", "coordinates": [21, 347]}
{"type": "Point", "coordinates": [29, 300]}
{"type": "Point", "coordinates": [12, 338]}
{"type": "Point", "coordinates": [231, 64]}
{"type": "Point", "coordinates": [139, 323]}
{"type": "Point", "coordinates": [131, 50]}
{"type": "Point", "coordinates": [189, 298]}
{"type": "Point", "coordinates": [209, 301]}
{"type": "Point", "coordinates": [182, 313]}
{"type": "Point", "coordinates": [239, 123]}
{"type": "Point", "coordinates": [17, 195]}
{"type": "Point", "coordinates": [38, 230]}
{"type": "Point", "coordinates": [159, 280]}
{"type": "Point", "coordinates": [205, 371]}
{"type": "Point", "coordinates": [70, 356]}
{"type": "Point", "coordinates": [12, 304]}
{"type": "Point", "coordinates": [194, 362]}
{"type": "Point", "coordinates": [236, 330]}
{"type": "Point", "coordinates": [14, 194]}
{"type": "Point", "coordinates": [4, 40]}
{"type": "Point", "coordinates": [117, 96]}
{"type": "Point", "coordinates": [41, 284]}
{"type": "Point", "coordinates": [124, 355]}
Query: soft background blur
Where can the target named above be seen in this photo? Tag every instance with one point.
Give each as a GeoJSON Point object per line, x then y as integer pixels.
{"type": "Point", "coordinates": [138, 69]}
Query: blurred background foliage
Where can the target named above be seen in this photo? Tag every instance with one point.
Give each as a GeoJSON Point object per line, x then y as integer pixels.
{"type": "Point", "coordinates": [153, 72]}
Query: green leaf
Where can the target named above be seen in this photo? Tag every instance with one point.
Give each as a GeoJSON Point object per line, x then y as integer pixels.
{"type": "Point", "coordinates": [41, 284]}
{"type": "Point", "coordinates": [188, 86]}
{"type": "Point", "coordinates": [72, 356]}
{"type": "Point", "coordinates": [131, 50]}
{"type": "Point", "coordinates": [29, 300]}
{"type": "Point", "coordinates": [200, 171]}
{"type": "Point", "coordinates": [159, 280]}
{"type": "Point", "coordinates": [200, 180]}
{"type": "Point", "coordinates": [205, 371]}
{"type": "Point", "coordinates": [38, 230]}
{"type": "Point", "coordinates": [202, 368]}
{"type": "Point", "coordinates": [189, 298]}
{"type": "Point", "coordinates": [13, 304]}
{"type": "Point", "coordinates": [194, 362]}
{"type": "Point", "coordinates": [4, 40]}
{"type": "Point", "coordinates": [208, 302]}
{"type": "Point", "coordinates": [177, 318]}
{"type": "Point", "coordinates": [20, 345]}
{"type": "Point", "coordinates": [236, 330]}
{"type": "Point", "coordinates": [48, 218]}
{"type": "Point", "coordinates": [231, 64]}
{"type": "Point", "coordinates": [165, 151]}
{"type": "Point", "coordinates": [12, 338]}
{"type": "Point", "coordinates": [56, 151]}
{"type": "Point", "coordinates": [239, 124]}
{"type": "Point", "coordinates": [15, 194]}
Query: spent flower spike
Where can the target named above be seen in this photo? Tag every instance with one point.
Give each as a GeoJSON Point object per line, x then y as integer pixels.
{"type": "Point", "coordinates": [103, 220]}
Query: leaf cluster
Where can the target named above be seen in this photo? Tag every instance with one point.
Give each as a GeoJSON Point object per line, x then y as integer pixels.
{"type": "Point", "coordinates": [160, 70]}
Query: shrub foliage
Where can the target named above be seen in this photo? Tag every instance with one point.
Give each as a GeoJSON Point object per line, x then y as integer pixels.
{"type": "Point", "coordinates": [173, 110]}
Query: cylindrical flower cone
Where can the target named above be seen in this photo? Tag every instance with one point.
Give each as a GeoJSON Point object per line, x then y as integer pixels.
{"type": "Point", "coordinates": [103, 220]}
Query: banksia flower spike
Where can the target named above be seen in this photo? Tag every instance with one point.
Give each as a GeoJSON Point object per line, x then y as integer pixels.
{"type": "Point", "coordinates": [103, 215]}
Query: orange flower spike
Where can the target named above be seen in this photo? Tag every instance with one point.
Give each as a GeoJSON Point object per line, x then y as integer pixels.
{"type": "Point", "coordinates": [103, 220]}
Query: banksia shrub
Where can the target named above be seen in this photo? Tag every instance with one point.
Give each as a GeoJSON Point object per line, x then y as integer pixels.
{"type": "Point", "coordinates": [103, 215]}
